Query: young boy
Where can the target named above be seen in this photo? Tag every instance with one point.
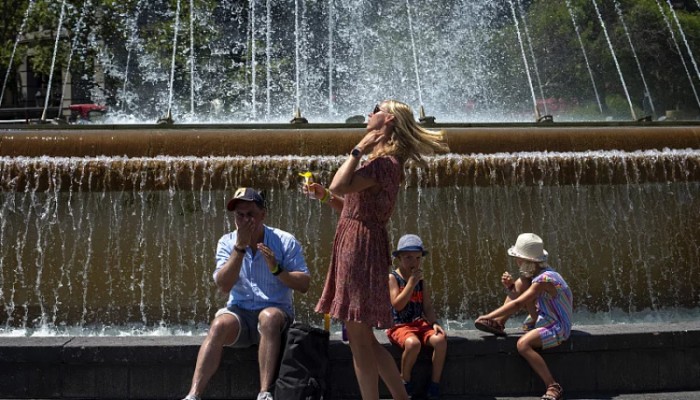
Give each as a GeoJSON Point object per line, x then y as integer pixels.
{"type": "Point", "coordinates": [553, 301]}
{"type": "Point", "coordinates": [415, 323]}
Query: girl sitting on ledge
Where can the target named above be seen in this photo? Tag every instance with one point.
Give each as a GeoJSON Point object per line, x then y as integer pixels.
{"type": "Point", "coordinates": [552, 300]}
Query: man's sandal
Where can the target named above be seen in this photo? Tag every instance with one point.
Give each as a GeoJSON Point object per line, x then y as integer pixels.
{"type": "Point", "coordinates": [490, 326]}
{"type": "Point", "coordinates": [554, 392]}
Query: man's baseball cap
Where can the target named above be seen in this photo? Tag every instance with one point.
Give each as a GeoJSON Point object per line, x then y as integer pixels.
{"type": "Point", "coordinates": [245, 194]}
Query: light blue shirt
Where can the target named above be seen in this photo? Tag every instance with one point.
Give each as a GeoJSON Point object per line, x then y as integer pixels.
{"type": "Point", "coordinates": [257, 288]}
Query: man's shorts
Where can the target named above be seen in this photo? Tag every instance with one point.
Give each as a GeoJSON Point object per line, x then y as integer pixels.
{"type": "Point", "coordinates": [249, 333]}
{"type": "Point", "coordinates": [420, 328]}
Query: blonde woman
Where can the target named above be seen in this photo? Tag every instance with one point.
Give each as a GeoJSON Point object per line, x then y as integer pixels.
{"type": "Point", "coordinates": [364, 191]}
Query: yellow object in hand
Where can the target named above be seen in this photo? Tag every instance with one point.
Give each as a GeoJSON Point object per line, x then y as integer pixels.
{"type": "Point", "coordinates": [308, 177]}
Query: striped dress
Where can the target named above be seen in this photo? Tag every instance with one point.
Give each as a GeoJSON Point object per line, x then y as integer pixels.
{"type": "Point", "coordinates": [554, 312]}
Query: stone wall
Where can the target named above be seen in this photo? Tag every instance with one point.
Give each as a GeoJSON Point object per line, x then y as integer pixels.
{"type": "Point", "coordinates": [596, 359]}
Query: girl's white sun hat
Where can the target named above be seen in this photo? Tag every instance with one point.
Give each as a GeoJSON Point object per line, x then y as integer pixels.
{"type": "Point", "coordinates": [529, 247]}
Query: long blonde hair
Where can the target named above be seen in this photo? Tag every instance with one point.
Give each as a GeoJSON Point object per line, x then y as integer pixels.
{"type": "Point", "coordinates": [410, 141]}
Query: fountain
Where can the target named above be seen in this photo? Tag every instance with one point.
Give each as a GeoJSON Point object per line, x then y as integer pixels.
{"type": "Point", "coordinates": [113, 226]}
{"type": "Point", "coordinates": [465, 61]}
{"type": "Point", "coordinates": [108, 229]}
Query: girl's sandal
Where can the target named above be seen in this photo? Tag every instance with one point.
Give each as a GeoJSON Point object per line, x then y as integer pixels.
{"type": "Point", "coordinates": [554, 392]}
{"type": "Point", "coordinates": [490, 326]}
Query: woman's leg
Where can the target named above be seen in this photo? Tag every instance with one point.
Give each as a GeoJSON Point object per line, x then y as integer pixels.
{"type": "Point", "coordinates": [361, 343]}
{"type": "Point", "coordinates": [389, 372]}
{"type": "Point", "coordinates": [371, 359]}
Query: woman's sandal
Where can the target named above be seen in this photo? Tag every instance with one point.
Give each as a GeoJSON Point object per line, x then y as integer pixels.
{"type": "Point", "coordinates": [490, 326]}
{"type": "Point", "coordinates": [554, 392]}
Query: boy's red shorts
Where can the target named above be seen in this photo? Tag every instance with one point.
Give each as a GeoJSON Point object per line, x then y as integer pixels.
{"type": "Point", "coordinates": [420, 328]}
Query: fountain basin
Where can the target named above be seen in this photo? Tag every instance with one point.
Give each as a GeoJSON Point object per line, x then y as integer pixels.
{"type": "Point", "coordinates": [314, 140]}
{"type": "Point", "coordinates": [115, 226]}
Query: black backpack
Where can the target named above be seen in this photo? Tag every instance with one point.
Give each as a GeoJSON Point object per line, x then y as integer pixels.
{"type": "Point", "coordinates": [303, 368]}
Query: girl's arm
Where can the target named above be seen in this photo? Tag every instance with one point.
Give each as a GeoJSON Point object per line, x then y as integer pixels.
{"type": "Point", "coordinates": [511, 307]}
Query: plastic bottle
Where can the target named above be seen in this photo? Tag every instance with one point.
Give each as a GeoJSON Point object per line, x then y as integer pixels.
{"type": "Point", "coordinates": [327, 322]}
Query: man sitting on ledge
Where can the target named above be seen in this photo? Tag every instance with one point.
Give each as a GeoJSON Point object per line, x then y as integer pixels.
{"type": "Point", "coordinates": [259, 267]}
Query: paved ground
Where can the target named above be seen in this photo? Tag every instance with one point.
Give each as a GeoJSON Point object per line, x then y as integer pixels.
{"type": "Point", "coordinates": [636, 396]}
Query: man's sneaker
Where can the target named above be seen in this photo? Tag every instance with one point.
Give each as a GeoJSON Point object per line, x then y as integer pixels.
{"type": "Point", "coordinates": [433, 391]}
{"type": "Point", "coordinates": [191, 397]}
{"type": "Point", "coordinates": [265, 396]}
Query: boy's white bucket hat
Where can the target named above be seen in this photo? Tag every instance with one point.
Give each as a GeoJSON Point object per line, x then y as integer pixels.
{"type": "Point", "coordinates": [409, 243]}
{"type": "Point", "coordinates": [529, 247]}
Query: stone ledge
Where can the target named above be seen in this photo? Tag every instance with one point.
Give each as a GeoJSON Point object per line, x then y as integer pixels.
{"type": "Point", "coordinates": [613, 358]}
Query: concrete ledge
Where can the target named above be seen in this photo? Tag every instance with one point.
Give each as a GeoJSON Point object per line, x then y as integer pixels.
{"type": "Point", "coordinates": [596, 359]}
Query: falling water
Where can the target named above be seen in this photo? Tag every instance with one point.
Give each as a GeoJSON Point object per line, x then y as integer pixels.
{"type": "Point", "coordinates": [14, 48]}
{"type": "Point", "coordinates": [532, 55]}
{"type": "Point", "coordinates": [585, 56]}
{"type": "Point", "coordinates": [253, 62]}
{"type": "Point", "coordinates": [636, 59]}
{"type": "Point", "coordinates": [192, 57]}
{"type": "Point", "coordinates": [415, 53]}
{"type": "Point", "coordinates": [171, 87]}
{"type": "Point", "coordinates": [297, 57]}
{"type": "Point", "coordinates": [522, 52]}
{"type": "Point", "coordinates": [341, 64]}
{"type": "Point", "coordinates": [678, 49]}
{"type": "Point", "coordinates": [117, 241]}
{"type": "Point", "coordinates": [74, 46]}
{"type": "Point", "coordinates": [617, 64]}
{"type": "Point", "coordinates": [53, 60]}
{"type": "Point", "coordinates": [130, 46]}
{"type": "Point", "coordinates": [268, 60]}
{"type": "Point", "coordinates": [685, 40]}
{"type": "Point", "coordinates": [331, 27]}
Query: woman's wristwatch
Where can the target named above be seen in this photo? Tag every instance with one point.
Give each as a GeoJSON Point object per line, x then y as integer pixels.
{"type": "Point", "coordinates": [356, 152]}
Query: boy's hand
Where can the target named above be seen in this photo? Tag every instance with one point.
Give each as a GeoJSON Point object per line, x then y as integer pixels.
{"type": "Point", "coordinates": [416, 276]}
{"type": "Point", "coordinates": [438, 329]}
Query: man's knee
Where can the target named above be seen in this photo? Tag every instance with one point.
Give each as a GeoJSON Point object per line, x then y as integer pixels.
{"type": "Point", "coordinates": [224, 329]}
{"type": "Point", "coordinates": [271, 320]}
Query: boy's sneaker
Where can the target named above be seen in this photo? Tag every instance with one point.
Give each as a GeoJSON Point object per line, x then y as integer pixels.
{"type": "Point", "coordinates": [409, 389]}
{"type": "Point", "coordinates": [433, 391]}
{"type": "Point", "coordinates": [265, 396]}
{"type": "Point", "coordinates": [191, 397]}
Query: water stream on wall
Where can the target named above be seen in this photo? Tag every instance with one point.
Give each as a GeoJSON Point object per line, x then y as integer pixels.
{"type": "Point", "coordinates": [105, 244]}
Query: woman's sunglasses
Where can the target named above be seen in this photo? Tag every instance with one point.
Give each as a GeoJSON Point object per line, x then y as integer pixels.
{"type": "Point", "coordinates": [376, 109]}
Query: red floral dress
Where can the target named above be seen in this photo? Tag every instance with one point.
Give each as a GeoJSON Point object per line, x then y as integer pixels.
{"type": "Point", "coordinates": [356, 287]}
